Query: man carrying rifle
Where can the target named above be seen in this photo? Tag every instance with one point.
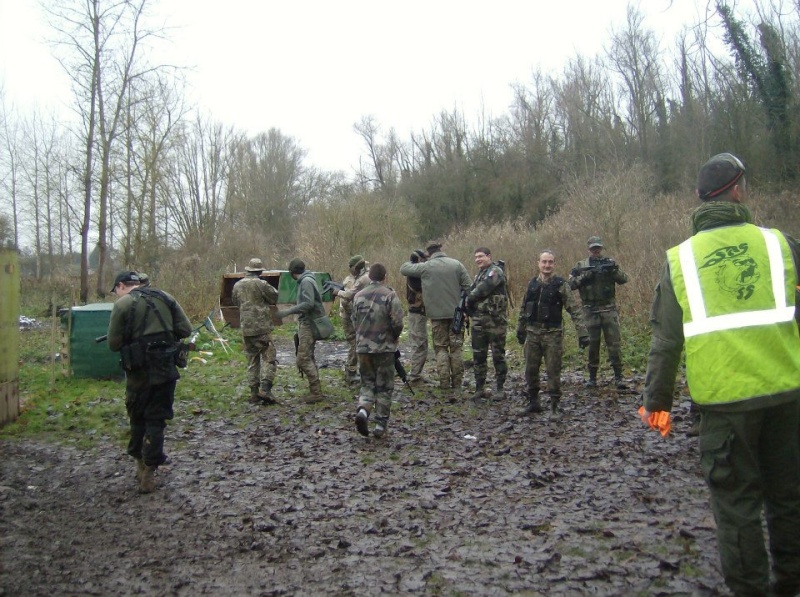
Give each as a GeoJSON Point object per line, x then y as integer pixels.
{"type": "Point", "coordinates": [144, 327]}
{"type": "Point", "coordinates": [444, 279]}
{"type": "Point", "coordinates": [378, 320]}
{"type": "Point", "coordinates": [595, 278]}
{"type": "Point", "coordinates": [487, 303]}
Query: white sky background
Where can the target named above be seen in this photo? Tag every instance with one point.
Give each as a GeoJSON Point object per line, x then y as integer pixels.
{"type": "Point", "coordinates": [313, 68]}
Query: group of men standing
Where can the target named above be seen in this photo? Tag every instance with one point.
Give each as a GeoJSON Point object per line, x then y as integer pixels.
{"type": "Point", "coordinates": [436, 285]}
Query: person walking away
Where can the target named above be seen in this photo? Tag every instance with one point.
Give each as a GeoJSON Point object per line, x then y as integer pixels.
{"type": "Point", "coordinates": [540, 331]}
{"type": "Point", "coordinates": [417, 323]}
{"type": "Point", "coordinates": [487, 302]}
{"type": "Point", "coordinates": [378, 321]}
{"type": "Point", "coordinates": [309, 306]}
{"type": "Point", "coordinates": [444, 279]}
{"type": "Point", "coordinates": [144, 327]}
{"type": "Point", "coordinates": [254, 296]}
{"type": "Point", "coordinates": [353, 283]}
{"type": "Point", "coordinates": [727, 295]}
{"type": "Point", "coordinates": [596, 279]}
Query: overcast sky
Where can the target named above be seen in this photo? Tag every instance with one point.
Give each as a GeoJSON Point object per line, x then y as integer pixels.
{"type": "Point", "coordinates": [313, 68]}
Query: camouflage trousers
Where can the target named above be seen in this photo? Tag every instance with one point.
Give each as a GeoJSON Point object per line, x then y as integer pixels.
{"type": "Point", "coordinates": [262, 360]}
{"type": "Point", "coordinates": [547, 344]}
{"type": "Point", "coordinates": [448, 347]}
{"type": "Point", "coordinates": [484, 338]}
{"type": "Point", "coordinates": [605, 321]}
{"type": "Point", "coordinates": [305, 353]}
{"type": "Point", "coordinates": [418, 339]}
{"type": "Point", "coordinates": [377, 384]}
{"type": "Point", "coordinates": [751, 463]}
{"type": "Point", "coordinates": [149, 407]}
{"type": "Point", "coordinates": [351, 364]}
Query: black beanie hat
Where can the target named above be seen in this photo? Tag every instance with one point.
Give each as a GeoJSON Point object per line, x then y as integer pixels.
{"type": "Point", "coordinates": [717, 175]}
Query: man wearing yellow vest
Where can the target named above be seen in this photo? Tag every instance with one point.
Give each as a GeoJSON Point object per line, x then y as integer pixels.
{"type": "Point", "coordinates": [728, 295]}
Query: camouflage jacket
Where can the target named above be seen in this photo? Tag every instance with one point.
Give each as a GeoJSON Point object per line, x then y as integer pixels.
{"type": "Point", "coordinates": [596, 280]}
{"type": "Point", "coordinates": [352, 286]}
{"type": "Point", "coordinates": [377, 318]}
{"type": "Point", "coordinates": [488, 298]}
{"type": "Point", "coordinates": [254, 296]}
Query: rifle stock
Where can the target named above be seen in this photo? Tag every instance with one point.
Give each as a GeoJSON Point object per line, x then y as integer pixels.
{"type": "Point", "coordinates": [461, 315]}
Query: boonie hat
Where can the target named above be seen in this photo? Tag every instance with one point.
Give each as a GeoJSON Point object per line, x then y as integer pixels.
{"type": "Point", "coordinates": [296, 266]}
{"type": "Point", "coordinates": [594, 241]}
{"type": "Point", "coordinates": [355, 260]}
{"type": "Point", "coordinates": [718, 174]}
{"type": "Point", "coordinates": [124, 277]}
{"type": "Point", "coordinates": [255, 265]}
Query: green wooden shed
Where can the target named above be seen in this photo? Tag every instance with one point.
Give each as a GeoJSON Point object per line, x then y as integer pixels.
{"type": "Point", "coordinates": [86, 357]}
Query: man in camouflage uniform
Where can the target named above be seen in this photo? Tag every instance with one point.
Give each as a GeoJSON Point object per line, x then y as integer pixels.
{"type": "Point", "coordinates": [595, 278]}
{"type": "Point", "coordinates": [254, 296]}
{"type": "Point", "coordinates": [487, 303]}
{"type": "Point", "coordinates": [356, 281]}
{"type": "Point", "coordinates": [309, 306]}
{"type": "Point", "coordinates": [443, 281]}
{"type": "Point", "coordinates": [144, 327]}
{"type": "Point", "coordinates": [378, 320]}
{"type": "Point", "coordinates": [540, 330]}
{"type": "Point", "coordinates": [417, 323]}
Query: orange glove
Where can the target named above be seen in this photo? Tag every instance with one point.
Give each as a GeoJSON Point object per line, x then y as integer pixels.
{"type": "Point", "coordinates": [658, 420]}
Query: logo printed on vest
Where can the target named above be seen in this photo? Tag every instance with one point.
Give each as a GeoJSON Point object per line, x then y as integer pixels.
{"type": "Point", "coordinates": [736, 272]}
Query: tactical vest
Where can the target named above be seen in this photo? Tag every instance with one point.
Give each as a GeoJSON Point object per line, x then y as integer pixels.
{"type": "Point", "coordinates": [601, 289]}
{"type": "Point", "coordinates": [543, 302]}
{"type": "Point", "coordinates": [414, 295]}
{"type": "Point", "coordinates": [736, 286]}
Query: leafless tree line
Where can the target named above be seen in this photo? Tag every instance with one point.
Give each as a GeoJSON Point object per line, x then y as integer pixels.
{"type": "Point", "coordinates": [138, 176]}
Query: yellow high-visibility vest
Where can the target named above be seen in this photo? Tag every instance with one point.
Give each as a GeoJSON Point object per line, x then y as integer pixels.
{"type": "Point", "coordinates": [736, 286]}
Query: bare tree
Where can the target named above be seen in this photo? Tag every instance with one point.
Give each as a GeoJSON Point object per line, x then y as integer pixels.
{"type": "Point", "coordinates": [99, 42]}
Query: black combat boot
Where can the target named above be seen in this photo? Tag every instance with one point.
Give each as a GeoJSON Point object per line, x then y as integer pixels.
{"type": "Point", "coordinates": [254, 398]}
{"type": "Point", "coordinates": [618, 381]}
{"type": "Point", "coordinates": [592, 382]}
{"type": "Point", "coordinates": [555, 412]}
{"type": "Point", "coordinates": [499, 393]}
{"type": "Point", "coordinates": [534, 406]}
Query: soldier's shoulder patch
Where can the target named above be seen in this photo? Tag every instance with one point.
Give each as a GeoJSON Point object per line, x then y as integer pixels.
{"type": "Point", "coordinates": [490, 274]}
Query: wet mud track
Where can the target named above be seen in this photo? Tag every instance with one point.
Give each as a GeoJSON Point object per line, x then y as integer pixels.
{"type": "Point", "coordinates": [456, 499]}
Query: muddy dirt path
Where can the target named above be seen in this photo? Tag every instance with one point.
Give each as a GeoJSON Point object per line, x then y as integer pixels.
{"type": "Point", "coordinates": [456, 499]}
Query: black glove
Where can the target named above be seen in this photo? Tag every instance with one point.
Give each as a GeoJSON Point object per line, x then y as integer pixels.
{"type": "Point", "coordinates": [583, 342]}
{"type": "Point", "coordinates": [414, 257]}
{"type": "Point", "coordinates": [521, 336]}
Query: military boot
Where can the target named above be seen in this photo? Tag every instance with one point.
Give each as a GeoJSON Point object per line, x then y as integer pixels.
{"type": "Point", "coordinates": [499, 393]}
{"type": "Point", "coordinates": [592, 382]}
{"type": "Point", "coordinates": [479, 391]}
{"type": "Point", "coordinates": [618, 380]}
{"type": "Point", "coordinates": [314, 393]}
{"type": "Point", "coordinates": [265, 393]}
{"type": "Point", "coordinates": [254, 398]}
{"type": "Point", "coordinates": [139, 469]}
{"type": "Point", "coordinates": [534, 406]}
{"type": "Point", "coordinates": [147, 483]}
{"type": "Point", "coordinates": [555, 412]}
